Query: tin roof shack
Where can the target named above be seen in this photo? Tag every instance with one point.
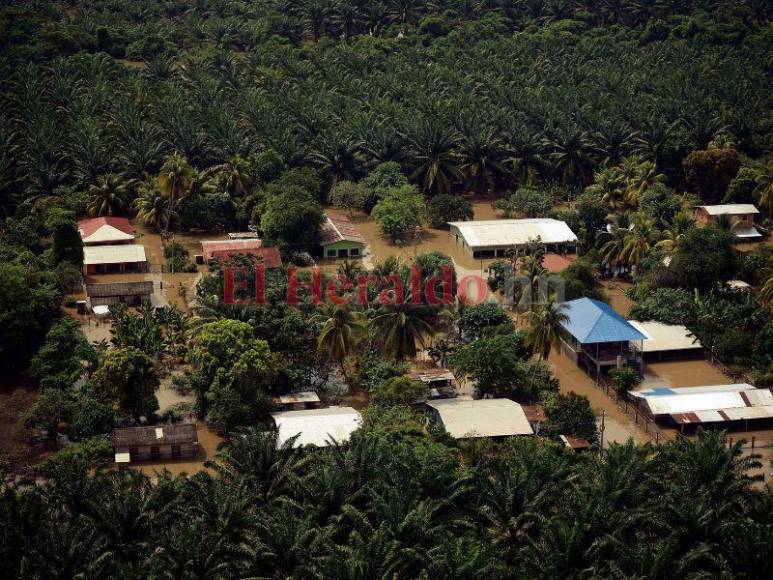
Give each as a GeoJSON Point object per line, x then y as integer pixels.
{"type": "Point", "coordinates": [228, 247]}
{"type": "Point", "coordinates": [535, 414]}
{"type": "Point", "coordinates": [740, 214]}
{"type": "Point", "coordinates": [340, 239]}
{"type": "Point", "coordinates": [665, 341]}
{"type": "Point", "coordinates": [492, 238]}
{"type": "Point", "coordinates": [317, 426]}
{"type": "Point", "coordinates": [114, 259]}
{"type": "Point", "coordinates": [268, 256]}
{"type": "Point", "coordinates": [129, 293]}
{"type": "Point", "coordinates": [576, 444]}
{"type": "Point", "coordinates": [721, 405]}
{"type": "Point", "coordinates": [441, 383]}
{"type": "Point", "coordinates": [155, 442]}
{"type": "Point", "coordinates": [465, 418]}
{"type": "Point", "coordinates": [298, 401]}
{"type": "Point", "coordinates": [597, 337]}
{"type": "Point", "coordinates": [105, 231]}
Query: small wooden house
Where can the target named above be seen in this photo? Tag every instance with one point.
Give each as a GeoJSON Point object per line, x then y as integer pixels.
{"type": "Point", "coordinates": [340, 239]}
{"type": "Point", "coordinates": [155, 442]}
{"type": "Point", "coordinates": [129, 293]}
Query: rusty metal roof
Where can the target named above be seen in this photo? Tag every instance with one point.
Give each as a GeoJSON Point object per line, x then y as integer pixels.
{"type": "Point", "coordinates": [338, 228]}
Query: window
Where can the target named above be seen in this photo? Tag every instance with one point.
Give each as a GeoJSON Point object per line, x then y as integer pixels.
{"type": "Point", "coordinates": [155, 451]}
{"type": "Point", "coordinates": [331, 253]}
{"type": "Point", "coordinates": [175, 451]}
{"type": "Point", "coordinates": [354, 252]}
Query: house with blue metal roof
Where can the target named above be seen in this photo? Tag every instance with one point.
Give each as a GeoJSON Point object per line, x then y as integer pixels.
{"type": "Point", "coordinates": [597, 337]}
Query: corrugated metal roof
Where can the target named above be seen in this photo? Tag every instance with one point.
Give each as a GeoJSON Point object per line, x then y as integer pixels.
{"type": "Point", "coordinates": [730, 209]}
{"type": "Point", "coordinates": [481, 418]}
{"type": "Point", "coordinates": [706, 400]}
{"type": "Point", "coordinates": [268, 256]}
{"type": "Point", "coordinates": [154, 435]}
{"type": "Point", "coordinates": [121, 254]}
{"type": "Point", "coordinates": [747, 233]}
{"type": "Point", "coordinates": [302, 397]}
{"type": "Point", "coordinates": [591, 322]}
{"type": "Point", "coordinates": [504, 233]}
{"type": "Point", "coordinates": [208, 247]}
{"type": "Point", "coordinates": [665, 337]}
{"type": "Point", "coordinates": [317, 426]}
{"type": "Point", "coordinates": [338, 228]}
{"type": "Point", "coordinates": [721, 416]}
{"type": "Point", "coordinates": [105, 229]}
{"type": "Point", "coordinates": [119, 289]}
{"type": "Point", "coordinates": [430, 375]}
{"type": "Point", "coordinates": [667, 391]}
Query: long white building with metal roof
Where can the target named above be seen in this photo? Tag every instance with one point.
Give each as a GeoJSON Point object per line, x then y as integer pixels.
{"type": "Point", "coordinates": [492, 238]}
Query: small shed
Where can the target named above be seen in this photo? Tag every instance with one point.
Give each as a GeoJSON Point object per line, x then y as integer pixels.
{"type": "Point", "coordinates": [597, 337]}
{"type": "Point", "coordinates": [340, 239]}
{"type": "Point", "coordinates": [129, 293]}
{"type": "Point", "coordinates": [268, 256]}
{"type": "Point", "coordinates": [228, 247]}
{"type": "Point", "coordinates": [466, 418]}
{"type": "Point", "coordinates": [665, 340]}
{"type": "Point", "coordinates": [114, 259]}
{"type": "Point", "coordinates": [440, 382]}
{"type": "Point", "coordinates": [298, 401]}
{"type": "Point", "coordinates": [155, 442]}
{"type": "Point", "coordinates": [317, 427]}
{"type": "Point", "coordinates": [576, 444]}
{"type": "Point", "coordinates": [105, 231]}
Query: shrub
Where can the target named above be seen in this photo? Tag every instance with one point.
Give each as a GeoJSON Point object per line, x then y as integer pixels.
{"type": "Point", "coordinates": [399, 391]}
{"type": "Point", "coordinates": [448, 208]}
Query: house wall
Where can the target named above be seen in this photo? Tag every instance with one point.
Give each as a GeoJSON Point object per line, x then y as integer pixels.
{"type": "Point", "coordinates": [702, 217]}
{"type": "Point", "coordinates": [146, 452]}
{"type": "Point", "coordinates": [133, 300]}
{"type": "Point", "coordinates": [347, 247]}
{"type": "Point", "coordinates": [94, 269]}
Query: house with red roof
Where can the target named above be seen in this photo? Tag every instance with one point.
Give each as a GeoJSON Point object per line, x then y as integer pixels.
{"type": "Point", "coordinates": [340, 239]}
{"type": "Point", "coordinates": [101, 231]}
{"type": "Point", "coordinates": [268, 256]}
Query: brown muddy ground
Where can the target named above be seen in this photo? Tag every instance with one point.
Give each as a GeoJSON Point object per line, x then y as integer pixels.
{"type": "Point", "coordinates": [17, 452]}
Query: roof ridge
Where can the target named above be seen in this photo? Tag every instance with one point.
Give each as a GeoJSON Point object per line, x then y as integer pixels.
{"type": "Point", "coordinates": [335, 226]}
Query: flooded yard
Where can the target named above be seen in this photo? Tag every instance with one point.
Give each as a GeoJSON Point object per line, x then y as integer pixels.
{"type": "Point", "coordinates": [208, 443]}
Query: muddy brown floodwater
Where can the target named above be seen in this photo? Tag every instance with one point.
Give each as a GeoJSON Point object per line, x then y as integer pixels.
{"type": "Point", "coordinates": [208, 443]}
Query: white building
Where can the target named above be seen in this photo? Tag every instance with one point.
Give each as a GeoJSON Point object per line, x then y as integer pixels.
{"type": "Point", "coordinates": [492, 238]}
{"type": "Point", "coordinates": [317, 426]}
{"type": "Point", "coordinates": [467, 418]}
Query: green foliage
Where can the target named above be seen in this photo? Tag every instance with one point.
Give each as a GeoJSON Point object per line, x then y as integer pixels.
{"type": "Point", "coordinates": [399, 212]}
{"type": "Point", "coordinates": [96, 451]}
{"type": "Point", "coordinates": [660, 203]}
{"type": "Point", "coordinates": [59, 361]}
{"type": "Point", "coordinates": [705, 257]}
{"type": "Point", "coordinates": [526, 202]}
{"type": "Point", "coordinates": [28, 305]}
{"type": "Point", "coordinates": [374, 371]}
{"type": "Point", "coordinates": [178, 258]}
{"type": "Point", "coordinates": [624, 379]}
{"type": "Point", "coordinates": [709, 172]}
{"type": "Point", "coordinates": [492, 363]}
{"type": "Point", "coordinates": [399, 391]}
{"type": "Point", "coordinates": [741, 188]}
{"type": "Point", "coordinates": [580, 281]}
{"type": "Point", "coordinates": [91, 418]}
{"type": "Point", "coordinates": [481, 319]}
{"type": "Point", "coordinates": [127, 376]}
{"type": "Point", "coordinates": [666, 305]}
{"type": "Point", "coordinates": [385, 177]}
{"type": "Point", "coordinates": [349, 195]}
{"type": "Point", "coordinates": [570, 415]}
{"type": "Point", "coordinates": [442, 209]}
{"type": "Point", "coordinates": [292, 217]}
{"type": "Point", "coordinates": [66, 244]}
{"type": "Point", "coordinates": [53, 406]}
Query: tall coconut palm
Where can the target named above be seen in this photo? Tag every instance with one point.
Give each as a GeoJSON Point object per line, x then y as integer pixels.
{"type": "Point", "coordinates": [545, 327]}
{"type": "Point", "coordinates": [672, 236]}
{"type": "Point", "coordinates": [571, 155]}
{"type": "Point", "coordinates": [107, 196]}
{"type": "Point", "coordinates": [340, 334]}
{"type": "Point", "coordinates": [639, 240]}
{"type": "Point", "coordinates": [400, 328]}
{"type": "Point", "coordinates": [639, 176]}
{"type": "Point", "coordinates": [612, 242]}
{"type": "Point", "coordinates": [481, 153]}
{"type": "Point", "coordinates": [153, 208]}
{"type": "Point", "coordinates": [174, 182]}
{"type": "Point", "coordinates": [766, 294]}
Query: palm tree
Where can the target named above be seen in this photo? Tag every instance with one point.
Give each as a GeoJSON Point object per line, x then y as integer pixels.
{"type": "Point", "coordinates": [545, 327]}
{"type": "Point", "coordinates": [174, 182]}
{"type": "Point", "coordinates": [481, 153]}
{"type": "Point", "coordinates": [571, 154]}
{"type": "Point", "coordinates": [674, 233]}
{"type": "Point", "coordinates": [639, 240]}
{"type": "Point", "coordinates": [764, 190]}
{"type": "Point", "coordinates": [152, 207]}
{"type": "Point", "coordinates": [612, 242]}
{"type": "Point", "coordinates": [339, 161]}
{"type": "Point", "coordinates": [766, 294]}
{"type": "Point", "coordinates": [108, 196]}
{"type": "Point", "coordinates": [340, 334]}
{"type": "Point", "coordinates": [399, 328]}
{"type": "Point", "coordinates": [434, 149]}
{"type": "Point", "coordinates": [639, 176]}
